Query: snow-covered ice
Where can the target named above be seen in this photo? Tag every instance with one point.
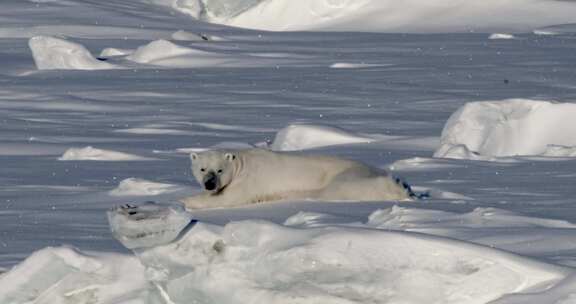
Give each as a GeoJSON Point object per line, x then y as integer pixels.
{"type": "Point", "coordinates": [148, 225]}
{"type": "Point", "coordinates": [141, 187]}
{"type": "Point", "coordinates": [378, 85]}
{"type": "Point", "coordinates": [112, 52]}
{"type": "Point", "coordinates": [302, 137]}
{"type": "Point", "coordinates": [91, 153]}
{"type": "Point", "coordinates": [504, 36]}
{"type": "Point", "coordinates": [187, 36]}
{"type": "Point", "coordinates": [545, 32]}
{"type": "Point", "coordinates": [64, 275]}
{"type": "Point", "coordinates": [51, 53]}
{"type": "Point", "coordinates": [262, 262]}
{"type": "Point", "coordinates": [379, 15]}
{"type": "Point", "coordinates": [349, 65]}
{"type": "Point", "coordinates": [157, 50]}
{"type": "Point", "coordinates": [509, 128]}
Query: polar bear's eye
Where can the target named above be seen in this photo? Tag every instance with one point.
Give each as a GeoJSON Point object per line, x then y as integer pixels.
{"type": "Point", "coordinates": [220, 171]}
{"type": "Point", "coordinates": [202, 169]}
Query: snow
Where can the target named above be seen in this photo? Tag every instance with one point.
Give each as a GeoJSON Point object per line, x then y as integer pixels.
{"type": "Point", "coordinates": [149, 226]}
{"type": "Point", "coordinates": [158, 49]}
{"type": "Point", "coordinates": [63, 275]}
{"type": "Point", "coordinates": [302, 137]}
{"type": "Point", "coordinates": [241, 260]}
{"type": "Point", "coordinates": [111, 52]}
{"type": "Point", "coordinates": [379, 15]}
{"type": "Point", "coordinates": [364, 269]}
{"type": "Point", "coordinates": [136, 77]}
{"type": "Point", "coordinates": [95, 154]}
{"type": "Point", "coordinates": [141, 187]}
{"type": "Point", "coordinates": [152, 131]}
{"type": "Point", "coordinates": [501, 36]}
{"type": "Point", "coordinates": [51, 53]}
{"type": "Point", "coordinates": [509, 128]}
{"type": "Point", "coordinates": [545, 33]}
{"type": "Point", "coordinates": [349, 65]}
{"type": "Point", "coordinates": [559, 151]}
{"type": "Point", "coordinates": [187, 36]}
{"type": "Point", "coordinates": [420, 220]}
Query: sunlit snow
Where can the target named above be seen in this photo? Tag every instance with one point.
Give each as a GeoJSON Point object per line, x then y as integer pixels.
{"type": "Point", "coordinates": [471, 102]}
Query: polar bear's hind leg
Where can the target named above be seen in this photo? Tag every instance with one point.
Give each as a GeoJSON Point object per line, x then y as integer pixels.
{"type": "Point", "coordinates": [377, 188]}
{"type": "Point", "coordinates": [410, 191]}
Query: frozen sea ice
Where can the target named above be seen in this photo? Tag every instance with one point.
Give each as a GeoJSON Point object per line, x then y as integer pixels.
{"type": "Point", "coordinates": [149, 224]}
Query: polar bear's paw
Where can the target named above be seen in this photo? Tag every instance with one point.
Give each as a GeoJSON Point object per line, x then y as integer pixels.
{"type": "Point", "coordinates": [411, 193]}
{"type": "Point", "coordinates": [149, 224]}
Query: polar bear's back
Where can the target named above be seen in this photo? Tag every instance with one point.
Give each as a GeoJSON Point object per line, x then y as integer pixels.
{"type": "Point", "coordinates": [282, 171]}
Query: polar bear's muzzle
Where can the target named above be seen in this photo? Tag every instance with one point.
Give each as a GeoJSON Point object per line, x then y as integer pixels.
{"type": "Point", "coordinates": [211, 182]}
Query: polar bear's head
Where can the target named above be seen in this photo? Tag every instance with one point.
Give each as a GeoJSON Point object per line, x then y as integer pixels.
{"type": "Point", "coordinates": [213, 169]}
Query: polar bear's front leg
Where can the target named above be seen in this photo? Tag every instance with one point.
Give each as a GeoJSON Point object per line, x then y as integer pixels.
{"type": "Point", "coordinates": [204, 201]}
{"type": "Point", "coordinates": [196, 202]}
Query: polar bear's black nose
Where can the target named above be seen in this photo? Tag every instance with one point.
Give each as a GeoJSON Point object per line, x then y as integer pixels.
{"type": "Point", "coordinates": [210, 181]}
{"type": "Point", "coordinates": [210, 185]}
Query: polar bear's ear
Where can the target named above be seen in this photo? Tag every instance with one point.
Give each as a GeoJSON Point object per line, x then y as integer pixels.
{"type": "Point", "coordinates": [230, 156]}
{"type": "Point", "coordinates": [193, 156]}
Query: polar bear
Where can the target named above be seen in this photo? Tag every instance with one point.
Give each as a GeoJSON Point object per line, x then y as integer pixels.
{"type": "Point", "coordinates": [241, 177]}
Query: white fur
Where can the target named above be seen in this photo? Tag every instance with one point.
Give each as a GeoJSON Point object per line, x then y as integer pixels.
{"type": "Point", "coordinates": [256, 175]}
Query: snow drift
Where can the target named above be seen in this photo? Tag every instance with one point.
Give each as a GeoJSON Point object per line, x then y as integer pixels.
{"type": "Point", "coordinates": [484, 130]}
{"type": "Point", "coordinates": [94, 154]}
{"type": "Point", "coordinates": [161, 49]}
{"type": "Point", "coordinates": [501, 36]}
{"type": "Point", "coordinates": [141, 187]}
{"type": "Point", "coordinates": [300, 137]}
{"type": "Point", "coordinates": [380, 15]}
{"type": "Point", "coordinates": [168, 54]}
{"type": "Point", "coordinates": [59, 275]}
{"type": "Point", "coordinates": [261, 262]}
{"type": "Point", "coordinates": [51, 53]}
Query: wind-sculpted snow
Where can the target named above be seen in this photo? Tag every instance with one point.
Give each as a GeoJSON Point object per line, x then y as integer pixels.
{"type": "Point", "coordinates": [484, 130]}
{"type": "Point", "coordinates": [142, 187]}
{"type": "Point", "coordinates": [160, 49]}
{"type": "Point", "coordinates": [301, 137]}
{"type": "Point", "coordinates": [501, 36]}
{"type": "Point", "coordinates": [95, 154]}
{"type": "Point", "coordinates": [52, 53]}
{"type": "Point", "coordinates": [61, 275]}
{"type": "Point", "coordinates": [380, 15]}
{"type": "Point", "coordinates": [262, 262]}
